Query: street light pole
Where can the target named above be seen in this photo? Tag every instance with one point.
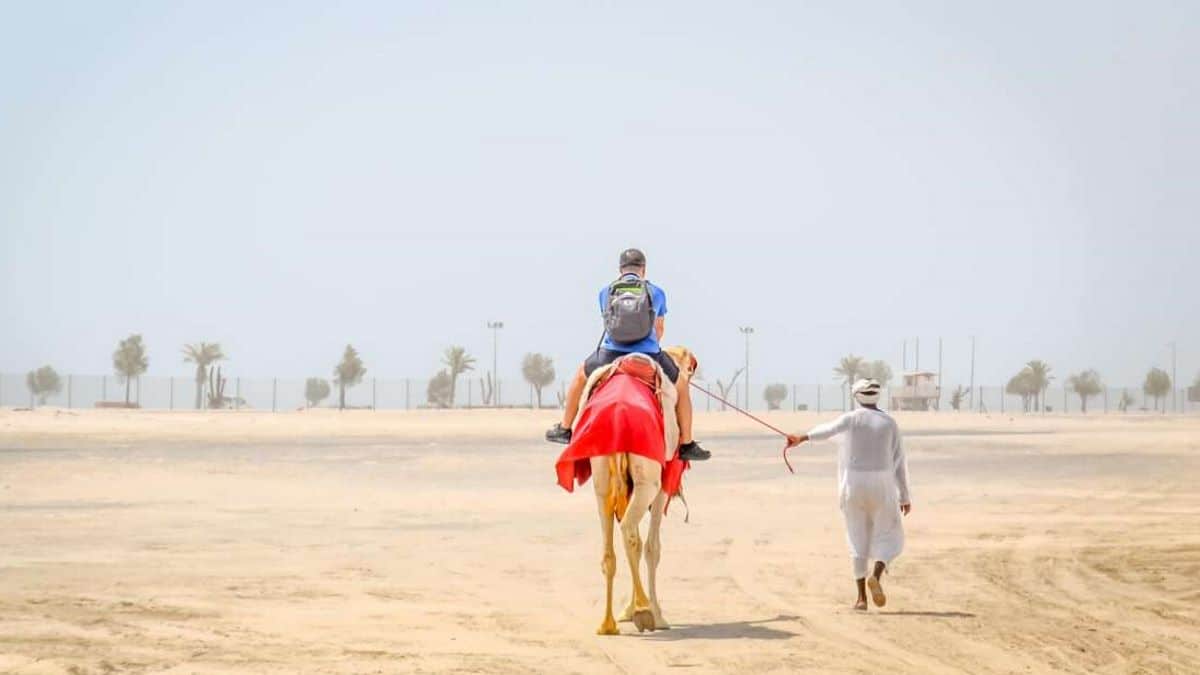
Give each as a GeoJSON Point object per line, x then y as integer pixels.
{"type": "Point", "coordinates": [495, 326]}
{"type": "Point", "coordinates": [747, 331]}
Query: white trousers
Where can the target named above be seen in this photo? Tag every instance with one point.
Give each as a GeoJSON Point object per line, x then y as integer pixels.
{"type": "Point", "coordinates": [871, 504]}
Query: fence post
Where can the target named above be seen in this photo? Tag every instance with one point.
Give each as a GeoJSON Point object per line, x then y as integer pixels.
{"type": "Point", "coordinates": [274, 391]}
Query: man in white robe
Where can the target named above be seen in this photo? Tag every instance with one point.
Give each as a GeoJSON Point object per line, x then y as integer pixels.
{"type": "Point", "coordinates": [872, 486]}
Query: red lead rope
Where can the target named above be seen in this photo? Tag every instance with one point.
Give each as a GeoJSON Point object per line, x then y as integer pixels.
{"type": "Point", "coordinates": [756, 419]}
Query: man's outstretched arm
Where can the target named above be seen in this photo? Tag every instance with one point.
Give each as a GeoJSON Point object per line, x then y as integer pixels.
{"type": "Point", "coordinates": [821, 431]}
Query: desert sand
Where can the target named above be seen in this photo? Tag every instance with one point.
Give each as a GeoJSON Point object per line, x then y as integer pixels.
{"type": "Point", "coordinates": [393, 542]}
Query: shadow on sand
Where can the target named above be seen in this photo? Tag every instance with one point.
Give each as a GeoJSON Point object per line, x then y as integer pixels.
{"type": "Point", "coordinates": [938, 615]}
{"type": "Point", "coordinates": [733, 630]}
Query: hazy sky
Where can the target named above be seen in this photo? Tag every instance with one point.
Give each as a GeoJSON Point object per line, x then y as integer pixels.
{"type": "Point", "coordinates": [287, 179]}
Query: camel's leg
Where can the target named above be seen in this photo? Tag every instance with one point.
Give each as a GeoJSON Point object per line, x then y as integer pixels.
{"type": "Point", "coordinates": [627, 613]}
{"type": "Point", "coordinates": [608, 563]}
{"type": "Point", "coordinates": [646, 475]}
{"type": "Point", "coordinates": [653, 555]}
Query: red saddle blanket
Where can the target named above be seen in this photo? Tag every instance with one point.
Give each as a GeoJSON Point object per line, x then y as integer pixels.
{"type": "Point", "coordinates": [622, 415]}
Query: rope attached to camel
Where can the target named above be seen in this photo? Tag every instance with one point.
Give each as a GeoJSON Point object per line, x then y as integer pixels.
{"type": "Point", "coordinates": [753, 417]}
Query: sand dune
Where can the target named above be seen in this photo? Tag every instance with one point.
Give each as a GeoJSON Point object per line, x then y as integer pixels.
{"type": "Point", "coordinates": [137, 541]}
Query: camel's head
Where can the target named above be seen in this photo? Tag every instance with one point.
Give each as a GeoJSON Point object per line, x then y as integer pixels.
{"type": "Point", "coordinates": [684, 358]}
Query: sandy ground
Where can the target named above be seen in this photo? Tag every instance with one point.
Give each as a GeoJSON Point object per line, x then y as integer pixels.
{"type": "Point", "coordinates": [438, 542]}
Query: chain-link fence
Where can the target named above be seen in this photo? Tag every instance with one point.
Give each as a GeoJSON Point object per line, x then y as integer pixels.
{"type": "Point", "coordinates": [267, 393]}
{"type": "Point", "coordinates": [276, 394]}
{"type": "Point", "coordinates": [983, 399]}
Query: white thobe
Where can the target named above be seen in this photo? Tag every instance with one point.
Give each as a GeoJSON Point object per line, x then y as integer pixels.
{"type": "Point", "coordinates": [872, 483]}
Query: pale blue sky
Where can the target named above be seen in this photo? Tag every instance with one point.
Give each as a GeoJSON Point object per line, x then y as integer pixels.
{"type": "Point", "coordinates": [285, 179]}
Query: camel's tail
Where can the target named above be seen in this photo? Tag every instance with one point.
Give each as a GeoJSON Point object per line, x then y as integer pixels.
{"type": "Point", "coordinates": [620, 484]}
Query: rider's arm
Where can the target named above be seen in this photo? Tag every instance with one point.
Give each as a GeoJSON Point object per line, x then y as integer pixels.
{"type": "Point", "coordinates": [660, 305]}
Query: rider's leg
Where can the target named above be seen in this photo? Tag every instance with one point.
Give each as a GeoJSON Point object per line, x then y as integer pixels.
{"type": "Point", "coordinates": [574, 393]}
{"type": "Point", "coordinates": [683, 409]}
{"type": "Point", "coordinates": [688, 448]}
{"type": "Point", "coordinates": [561, 432]}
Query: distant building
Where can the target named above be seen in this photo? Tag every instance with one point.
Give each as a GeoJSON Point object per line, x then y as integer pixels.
{"type": "Point", "coordinates": [918, 390]}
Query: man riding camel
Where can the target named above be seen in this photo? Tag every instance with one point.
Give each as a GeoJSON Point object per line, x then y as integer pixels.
{"type": "Point", "coordinates": [634, 312]}
{"type": "Point", "coordinates": [872, 486]}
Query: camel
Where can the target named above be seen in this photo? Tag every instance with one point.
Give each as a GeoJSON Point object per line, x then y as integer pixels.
{"type": "Point", "coordinates": [628, 484]}
{"type": "Point", "coordinates": [610, 476]}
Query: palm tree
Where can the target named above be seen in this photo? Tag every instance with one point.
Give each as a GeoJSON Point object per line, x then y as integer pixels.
{"type": "Point", "coordinates": [457, 361]}
{"type": "Point", "coordinates": [1022, 385]}
{"type": "Point", "coordinates": [348, 373]}
{"type": "Point", "coordinates": [130, 361]}
{"type": "Point", "coordinates": [1158, 385]}
{"type": "Point", "coordinates": [1039, 378]}
{"type": "Point", "coordinates": [774, 395]}
{"type": "Point", "coordinates": [315, 391]}
{"type": "Point", "coordinates": [438, 391]}
{"type": "Point", "coordinates": [43, 383]}
{"type": "Point", "coordinates": [202, 354]}
{"type": "Point", "coordinates": [538, 370]}
{"type": "Point", "coordinates": [1085, 384]}
{"type": "Point", "coordinates": [848, 370]}
{"type": "Point", "coordinates": [879, 371]}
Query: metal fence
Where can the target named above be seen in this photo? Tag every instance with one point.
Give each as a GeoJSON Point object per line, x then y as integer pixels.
{"type": "Point", "coordinates": [1063, 400]}
{"type": "Point", "coordinates": [269, 393]}
{"type": "Point", "coordinates": [277, 394]}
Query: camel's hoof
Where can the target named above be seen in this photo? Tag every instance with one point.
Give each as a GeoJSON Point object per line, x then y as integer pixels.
{"type": "Point", "coordinates": [609, 627]}
{"type": "Point", "coordinates": [644, 620]}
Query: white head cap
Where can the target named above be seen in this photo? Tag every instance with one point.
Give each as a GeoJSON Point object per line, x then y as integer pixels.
{"type": "Point", "coordinates": [866, 391]}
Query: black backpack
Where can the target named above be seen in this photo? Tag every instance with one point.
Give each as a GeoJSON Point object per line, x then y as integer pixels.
{"type": "Point", "coordinates": [629, 314]}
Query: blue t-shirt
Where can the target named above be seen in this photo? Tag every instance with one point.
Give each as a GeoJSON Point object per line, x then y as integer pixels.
{"type": "Point", "coordinates": [650, 344]}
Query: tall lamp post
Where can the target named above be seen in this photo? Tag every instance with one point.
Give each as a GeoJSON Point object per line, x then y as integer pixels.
{"type": "Point", "coordinates": [747, 331]}
{"type": "Point", "coordinates": [495, 326]}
